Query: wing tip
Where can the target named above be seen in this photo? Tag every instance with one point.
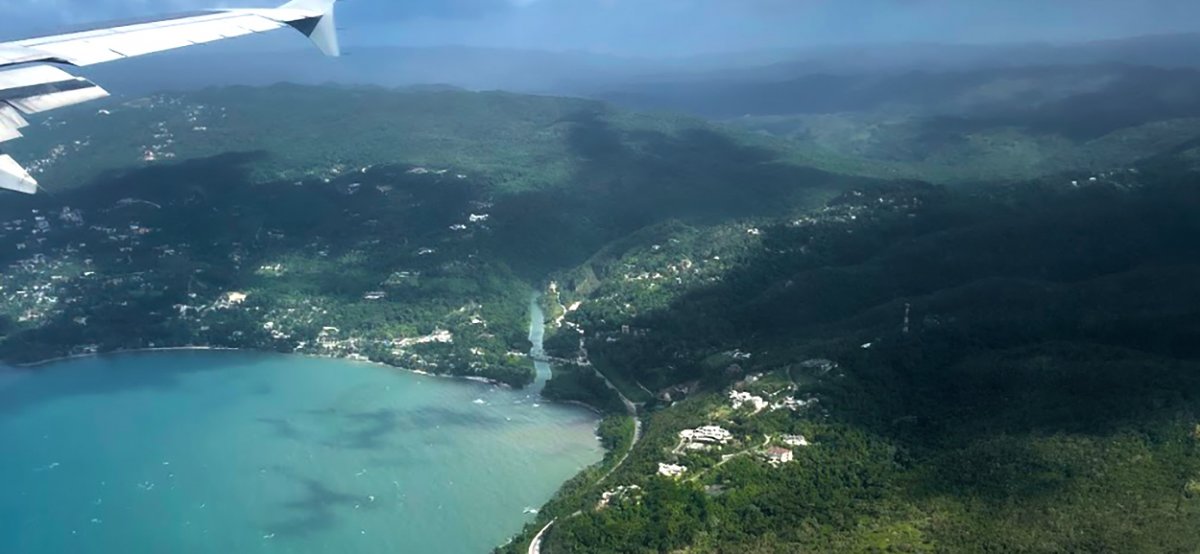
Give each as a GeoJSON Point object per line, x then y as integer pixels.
{"type": "Point", "coordinates": [321, 28]}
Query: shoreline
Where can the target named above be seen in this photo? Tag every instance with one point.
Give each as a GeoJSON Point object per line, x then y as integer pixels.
{"type": "Point", "coordinates": [598, 413]}
{"type": "Point", "coordinates": [32, 366]}
{"type": "Point", "coordinates": [48, 361]}
{"type": "Point", "coordinates": [119, 352]}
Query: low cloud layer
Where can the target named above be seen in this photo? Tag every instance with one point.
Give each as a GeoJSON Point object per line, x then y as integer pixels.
{"type": "Point", "coordinates": [678, 27]}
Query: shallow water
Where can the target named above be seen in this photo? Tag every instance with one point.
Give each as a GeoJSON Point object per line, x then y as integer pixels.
{"type": "Point", "coordinates": [236, 452]}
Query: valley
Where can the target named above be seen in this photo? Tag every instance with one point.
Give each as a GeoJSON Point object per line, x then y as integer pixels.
{"type": "Point", "coordinates": [960, 352]}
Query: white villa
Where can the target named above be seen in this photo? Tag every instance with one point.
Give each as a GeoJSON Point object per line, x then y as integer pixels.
{"type": "Point", "coordinates": [671, 470]}
{"type": "Point", "coordinates": [794, 440]}
{"type": "Point", "coordinates": [794, 405]}
{"type": "Point", "coordinates": [739, 399]}
{"type": "Point", "coordinates": [777, 455]}
{"type": "Point", "coordinates": [711, 434]}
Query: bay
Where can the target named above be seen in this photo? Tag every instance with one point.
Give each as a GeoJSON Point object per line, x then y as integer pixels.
{"type": "Point", "coordinates": [236, 452]}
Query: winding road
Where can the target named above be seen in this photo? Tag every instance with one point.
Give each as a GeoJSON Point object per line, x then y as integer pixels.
{"type": "Point", "coordinates": [541, 364]}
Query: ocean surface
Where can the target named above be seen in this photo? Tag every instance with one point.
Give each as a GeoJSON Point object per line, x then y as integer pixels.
{"type": "Point", "coordinates": [233, 452]}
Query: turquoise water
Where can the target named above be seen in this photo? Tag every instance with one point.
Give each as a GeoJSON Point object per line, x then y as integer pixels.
{"type": "Point", "coordinates": [230, 452]}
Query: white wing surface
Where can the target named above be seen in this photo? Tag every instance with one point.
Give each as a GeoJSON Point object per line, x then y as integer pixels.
{"type": "Point", "coordinates": [32, 81]}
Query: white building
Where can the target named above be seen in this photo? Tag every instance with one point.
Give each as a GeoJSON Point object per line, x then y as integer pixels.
{"type": "Point", "coordinates": [671, 470]}
{"type": "Point", "coordinates": [620, 492]}
{"type": "Point", "coordinates": [794, 440]}
{"type": "Point", "coordinates": [739, 399]}
{"type": "Point", "coordinates": [711, 434]}
{"type": "Point", "coordinates": [777, 455]}
{"type": "Point", "coordinates": [794, 405]}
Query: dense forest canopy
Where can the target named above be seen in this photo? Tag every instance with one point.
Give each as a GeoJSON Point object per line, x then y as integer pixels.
{"type": "Point", "coordinates": [969, 330]}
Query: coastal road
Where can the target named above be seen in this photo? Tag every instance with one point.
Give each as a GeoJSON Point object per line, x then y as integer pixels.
{"type": "Point", "coordinates": [537, 323]}
{"type": "Point", "coordinates": [535, 547]}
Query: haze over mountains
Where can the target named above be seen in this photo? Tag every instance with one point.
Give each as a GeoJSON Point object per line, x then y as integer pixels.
{"type": "Point", "coordinates": [959, 280]}
{"type": "Point", "coordinates": [579, 72]}
{"type": "Point", "coordinates": [913, 109]}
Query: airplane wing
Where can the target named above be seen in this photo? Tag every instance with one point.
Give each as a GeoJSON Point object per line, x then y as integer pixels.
{"type": "Point", "coordinates": [32, 82]}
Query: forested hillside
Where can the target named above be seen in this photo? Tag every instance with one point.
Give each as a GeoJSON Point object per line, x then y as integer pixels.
{"type": "Point", "coordinates": [952, 126]}
{"type": "Point", "coordinates": [1011, 369]}
{"type": "Point", "coordinates": [404, 227]}
{"type": "Point", "coordinates": [850, 352]}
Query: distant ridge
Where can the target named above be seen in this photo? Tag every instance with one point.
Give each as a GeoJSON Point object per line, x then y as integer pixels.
{"type": "Point", "coordinates": [585, 73]}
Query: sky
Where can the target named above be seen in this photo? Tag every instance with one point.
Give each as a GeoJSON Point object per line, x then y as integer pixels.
{"type": "Point", "coordinates": [657, 28]}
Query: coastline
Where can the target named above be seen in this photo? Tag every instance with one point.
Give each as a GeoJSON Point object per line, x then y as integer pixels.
{"type": "Point", "coordinates": [118, 352]}
{"type": "Point", "coordinates": [48, 361]}
{"type": "Point", "coordinates": [600, 413]}
{"type": "Point", "coordinates": [470, 378]}
{"type": "Point", "coordinates": [595, 411]}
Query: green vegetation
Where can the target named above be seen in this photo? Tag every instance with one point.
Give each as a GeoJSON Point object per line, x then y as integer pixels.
{"type": "Point", "coordinates": [951, 127]}
{"type": "Point", "coordinates": [572, 383]}
{"type": "Point", "coordinates": [954, 151]}
{"type": "Point", "coordinates": [195, 255]}
{"type": "Point", "coordinates": [360, 250]}
{"type": "Point", "coordinates": [1010, 367]}
{"type": "Point", "coordinates": [1000, 369]}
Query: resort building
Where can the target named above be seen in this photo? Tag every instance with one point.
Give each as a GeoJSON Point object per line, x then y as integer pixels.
{"type": "Point", "coordinates": [671, 470]}
{"type": "Point", "coordinates": [794, 405]}
{"type": "Point", "coordinates": [794, 440]}
{"type": "Point", "coordinates": [777, 455]}
{"type": "Point", "coordinates": [739, 399]}
{"type": "Point", "coordinates": [711, 434]}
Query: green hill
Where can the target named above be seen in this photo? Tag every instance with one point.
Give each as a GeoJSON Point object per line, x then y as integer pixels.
{"type": "Point", "coordinates": [1002, 367]}
{"type": "Point", "coordinates": [1011, 369]}
{"type": "Point", "coordinates": [379, 217]}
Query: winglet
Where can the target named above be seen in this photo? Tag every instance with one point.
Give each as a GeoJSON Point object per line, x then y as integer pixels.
{"type": "Point", "coordinates": [321, 29]}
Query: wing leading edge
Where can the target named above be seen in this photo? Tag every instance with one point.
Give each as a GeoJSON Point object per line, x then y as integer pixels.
{"type": "Point", "coordinates": [29, 86]}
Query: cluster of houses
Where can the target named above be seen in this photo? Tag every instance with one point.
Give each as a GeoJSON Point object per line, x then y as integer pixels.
{"type": "Point", "coordinates": [57, 153]}
{"type": "Point", "coordinates": [164, 139]}
{"type": "Point", "coordinates": [778, 455]}
{"type": "Point", "coordinates": [673, 272]}
{"type": "Point", "coordinates": [621, 492]}
{"type": "Point", "coordinates": [474, 219]}
{"type": "Point", "coordinates": [30, 288]}
{"type": "Point", "coordinates": [740, 398]}
{"type": "Point", "coordinates": [703, 438]}
{"type": "Point", "coordinates": [439, 336]}
{"type": "Point", "coordinates": [794, 404]}
{"type": "Point", "coordinates": [275, 331]}
{"type": "Point", "coordinates": [271, 270]}
{"type": "Point", "coordinates": [709, 436]}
